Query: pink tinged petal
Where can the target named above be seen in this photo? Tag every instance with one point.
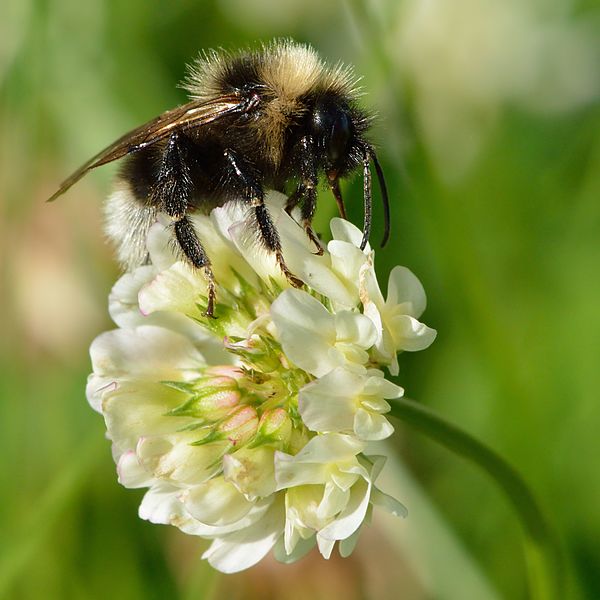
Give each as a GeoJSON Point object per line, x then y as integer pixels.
{"type": "Point", "coordinates": [131, 473]}
{"type": "Point", "coordinates": [404, 288]}
{"type": "Point", "coordinates": [410, 334]}
{"type": "Point", "coordinates": [325, 546]}
{"type": "Point", "coordinates": [388, 503]}
{"type": "Point", "coordinates": [244, 548]}
{"type": "Point", "coordinates": [352, 516]}
{"type": "Point", "coordinates": [372, 426]}
{"type": "Point", "coordinates": [216, 502]}
{"type": "Point", "coordinates": [240, 426]}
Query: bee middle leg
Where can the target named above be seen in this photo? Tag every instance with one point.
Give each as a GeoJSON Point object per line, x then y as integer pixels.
{"type": "Point", "coordinates": [305, 193]}
{"type": "Point", "coordinates": [172, 192]}
{"type": "Point", "coordinates": [252, 193]}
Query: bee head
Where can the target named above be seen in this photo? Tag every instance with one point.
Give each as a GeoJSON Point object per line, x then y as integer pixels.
{"type": "Point", "coordinates": [333, 132]}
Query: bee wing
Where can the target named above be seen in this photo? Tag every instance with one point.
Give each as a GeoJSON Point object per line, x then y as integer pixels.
{"type": "Point", "coordinates": [192, 114]}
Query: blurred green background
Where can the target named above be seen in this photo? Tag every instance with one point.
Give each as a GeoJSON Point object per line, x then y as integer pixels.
{"type": "Point", "coordinates": [489, 135]}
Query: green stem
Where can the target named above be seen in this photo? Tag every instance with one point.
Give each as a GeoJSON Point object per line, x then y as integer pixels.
{"type": "Point", "coordinates": [542, 552]}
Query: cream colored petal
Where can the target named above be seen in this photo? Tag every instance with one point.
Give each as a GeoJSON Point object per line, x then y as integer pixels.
{"type": "Point", "coordinates": [216, 502]}
{"type": "Point", "coordinates": [404, 288]}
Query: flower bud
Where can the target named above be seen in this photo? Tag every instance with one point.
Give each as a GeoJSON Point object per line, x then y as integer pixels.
{"type": "Point", "coordinates": [274, 427]}
{"type": "Point", "coordinates": [212, 398]}
{"type": "Point", "coordinates": [239, 427]}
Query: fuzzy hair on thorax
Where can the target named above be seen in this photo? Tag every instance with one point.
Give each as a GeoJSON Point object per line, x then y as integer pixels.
{"type": "Point", "coordinates": [287, 75]}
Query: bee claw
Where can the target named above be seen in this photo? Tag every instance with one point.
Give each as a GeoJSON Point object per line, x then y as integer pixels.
{"type": "Point", "coordinates": [292, 279]}
{"type": "Point", "coordinates": [314, 238]}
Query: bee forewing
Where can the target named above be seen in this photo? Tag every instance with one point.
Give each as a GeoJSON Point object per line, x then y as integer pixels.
{"type": "Point", "coordinates": [192, 114]}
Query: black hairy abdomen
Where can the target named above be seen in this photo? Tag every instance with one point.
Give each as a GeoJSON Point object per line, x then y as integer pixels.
{"type": "Point", "coordinates": [202, 155]}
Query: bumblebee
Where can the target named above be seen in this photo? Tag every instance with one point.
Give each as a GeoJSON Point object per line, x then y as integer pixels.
{"type": "Point", "coordinates": [274, 118]}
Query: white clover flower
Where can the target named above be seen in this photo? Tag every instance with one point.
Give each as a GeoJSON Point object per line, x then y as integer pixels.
{"type": "Point", "coordinates": [250, 429]}
{"type": "Point", "coordinates": [395, 318]}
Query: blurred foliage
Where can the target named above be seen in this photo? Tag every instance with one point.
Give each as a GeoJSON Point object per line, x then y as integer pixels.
{"type": "Point", "coordinates": [490, 140]}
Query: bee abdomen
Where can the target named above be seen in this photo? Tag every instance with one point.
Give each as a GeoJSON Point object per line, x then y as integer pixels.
{"type": "Point", "coordinates": [127, 222]}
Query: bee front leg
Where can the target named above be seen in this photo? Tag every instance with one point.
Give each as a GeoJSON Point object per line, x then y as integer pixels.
{"type": "Point", "coordinates": [305, 194]}
{"type": "Point", "coordinates": [172, 192]}
{"type": "Point", "coordinates": [252, 193]}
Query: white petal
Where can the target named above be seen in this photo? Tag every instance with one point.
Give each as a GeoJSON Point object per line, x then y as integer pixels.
{"type": "Point", "coordinates": [242, 549]}
{"type": "Point", "coordinates": [388, 503]}
{"type": "Point", "coordinates": [405, 288]}
{"type": "Point", "coordinates": [301, 549]}
{"type": "Point", "coordinates": [173, 457]}
{"type": "Point", "coordinates": [306, 330]}
{"type": "Point", "coordinates": [369, 287]}
{"type": "Point", "coordinates": [123, 300]}
{"type": "Point", "coordinates": [346, 547]}
{"type": "Point", "coordinates": [252, 471]}
{"type": "Point", "coordinates": [325, 546]}
{"type": "Point", "coordinates": [161, 504]}
{"type": "Point", "coordinates": [381, 387]}
{"type": "Point", "coordinates": [133, 409]}
{"type": "Point", "coordinates": [372, 426]}
{"type": "Point", "coordinates": [131, 473]}
{"type": "Point", "coordinates": [351, 518]}
{"type": "Point", "coordinates": [347, 232]}
{"type": "Point", "coordinates": [410, 334]}
{"type": "Point", "coordinates": [146, 352]}
{"type": "Point", "coordinates": [256, 513]}
{"type": "Point", "coordinates": [328, 403]}
{"type": "Point", "coordinates": [355, 328]}
{"type": "Point", "coordinates": [290, 473]}
{"type": "Point", "coordinates": [216, 502]}
{"type": "Point", "coordinates": [176, 289]}
{"type": "Point", "coordinates": [331, 447]}
{"type": "Point", "coordinates": [333, 502]}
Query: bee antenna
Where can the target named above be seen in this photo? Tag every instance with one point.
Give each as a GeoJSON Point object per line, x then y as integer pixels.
{"type": "Point", "coordinates": [384, 199]}
{"type": "Point", "coordinates": [367, 195]}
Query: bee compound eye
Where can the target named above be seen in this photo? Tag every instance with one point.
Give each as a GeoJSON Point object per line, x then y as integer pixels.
{"type": "Point", "coordinates": [333, 130]}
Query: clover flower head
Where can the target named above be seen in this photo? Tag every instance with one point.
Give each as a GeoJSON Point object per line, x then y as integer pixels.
{"type": "Point", "coordinates": [251, 429]}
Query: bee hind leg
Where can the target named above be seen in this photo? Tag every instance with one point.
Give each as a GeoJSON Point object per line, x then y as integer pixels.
{"type": "Point", "coordinates": [171, 193]}
{"type": "Point", "coordinates": [251, 191]}
{"type": "Point", "coordinates": [194, 252]}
